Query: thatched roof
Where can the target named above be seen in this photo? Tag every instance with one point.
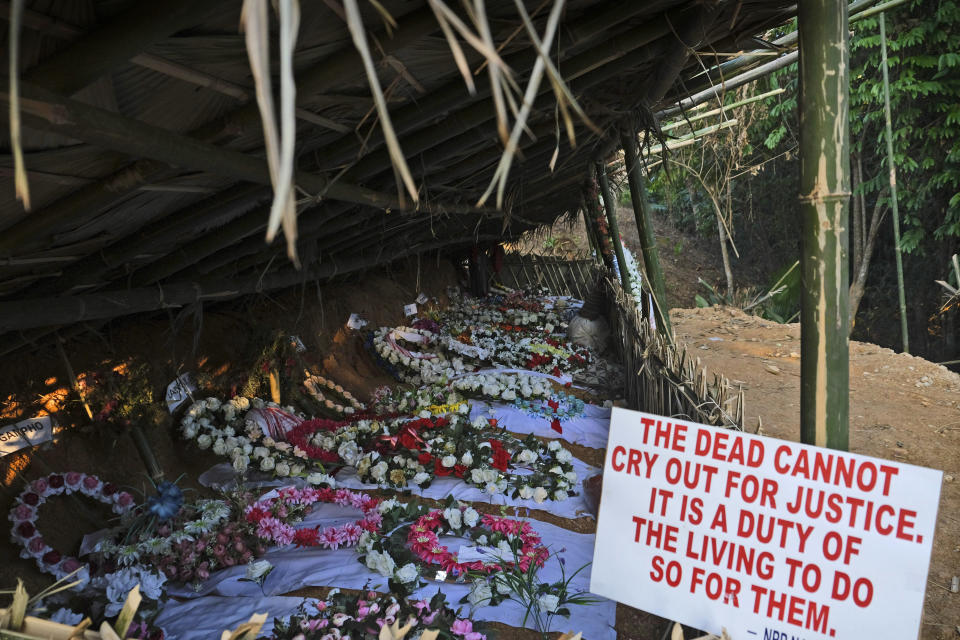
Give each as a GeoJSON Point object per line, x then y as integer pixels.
{"type": "Point", "coordinates": [144, 145]}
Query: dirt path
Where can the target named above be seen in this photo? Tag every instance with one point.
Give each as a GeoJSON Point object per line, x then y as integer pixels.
{"type": "Point", "coordinates": [901, 408]}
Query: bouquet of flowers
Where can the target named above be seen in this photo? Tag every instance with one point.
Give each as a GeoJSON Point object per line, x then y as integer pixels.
{"type": "Point", "coordinates": [362, 617]}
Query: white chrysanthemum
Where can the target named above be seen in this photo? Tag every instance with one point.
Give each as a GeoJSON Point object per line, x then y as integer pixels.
{"type": "Point", "coordinates": [382, 563]}
{"type": "Point", "coordinates": [471, 517]}
{"type": "Point", "coordinates": [480, 594]}
{"type": "Point", "coordinates": [548, 602]}
{"type": "Point", "coordinates": [379, 471]}
{"type": "Point", "coordinates": [527, 456]}
{"type": "Point", "coordinates": [454, 517]}
{"type": "Point", "coordinates": [321, 478]}
{"type": "Point", "coordinates": [407, 573]}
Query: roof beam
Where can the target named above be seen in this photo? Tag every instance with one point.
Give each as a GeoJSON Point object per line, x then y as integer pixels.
{"type": "Point", "coordinates": [334, 69]}
{"type": "Point", "coordinates": [49, 112]}
{"type": "Point", "coordinates": [38, 312]}
{"type": "Point", "coordinates": [107, 47]}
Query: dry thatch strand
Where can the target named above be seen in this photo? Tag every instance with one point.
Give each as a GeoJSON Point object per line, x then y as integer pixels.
{"type": "Point", "coordinates": [279, 144]}
{"type": "Point", "coordinates": [20, 171]}
{"type": "Point", "coordinates": [533, 87]}
{"type": "Point", "coordinates": [358, 33]}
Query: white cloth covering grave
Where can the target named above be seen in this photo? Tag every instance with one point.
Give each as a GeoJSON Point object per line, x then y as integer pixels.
{"type": "Point", "coordinates": [213, 606]}
{"type": "Point", "coordinates": [589, 430]}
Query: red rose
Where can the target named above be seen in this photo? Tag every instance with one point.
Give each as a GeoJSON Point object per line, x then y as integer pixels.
{"type": "Point", "coordinates": [52, 557]}
{"type": "Point", "coordinates": [409, 441]}
{"type": "Point", "coordinates": [56, 481]}
{"type": "Point", "coordinates": [26, 529]}
{"type": "Point", "coordinates": [424, 458]}
{"type": "Point", "coordinates": [439, 469]}
{"type": "Point", "coordinates": [459, 470]}
{"type": "Point", "coordinates": [501, 459]}
{"type": "Point", "coordinates": [31, 499]}
{"type": "Point", "coordinates": [109, 489]}
{"type": "Point", "coordinates": [495, 444]}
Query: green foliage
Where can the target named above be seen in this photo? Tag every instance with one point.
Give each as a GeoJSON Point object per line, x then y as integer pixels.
{"type": "Point", "coordinates": [923, 52]}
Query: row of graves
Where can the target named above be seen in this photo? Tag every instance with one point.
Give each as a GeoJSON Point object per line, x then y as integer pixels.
{"type": "Point", "coordinates": [421, 508]}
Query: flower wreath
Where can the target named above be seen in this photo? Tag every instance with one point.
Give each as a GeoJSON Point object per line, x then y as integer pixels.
{"type": "Point", "coordinates": [502, 386]}
{"type": "Point", "coordinates": [415, 367]}
{"type": "Point", "coordinates": [412, 546]}
{"type": "Point", "coordinates": [557, 408]}
{"type": "Point", "coordinates": [199, 539]}
{"type": "Point", "coordinates": [424, 541]}
{"type": "Point", "coordinates": [224, 428]}
{"type": "Point", "coordinates": [268, 516]}
{"type": "Point", "coordinates": [320, 387]}
{"type": "Point", "coordinates": [24, 513]}
{"type": "Point", "coordinates": [303, 434]}
{"type": "Point", "coordinates": [403, 452]}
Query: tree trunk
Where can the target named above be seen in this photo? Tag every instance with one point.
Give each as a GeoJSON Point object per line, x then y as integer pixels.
{"type": "Point", "coordinates": [859, 283]}
{"type": "Point", "coordinates": [856, 223]}
{"type": "Point", "coordinates": [724, 252]}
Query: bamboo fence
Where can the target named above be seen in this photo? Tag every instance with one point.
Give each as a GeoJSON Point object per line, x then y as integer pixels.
{"type": "Point", "coordinates": [662, 378]}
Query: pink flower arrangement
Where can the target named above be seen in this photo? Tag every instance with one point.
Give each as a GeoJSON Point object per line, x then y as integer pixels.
{"type": "Point", "coordinates": [424, 542]}
{"type": "Point", "coordinates": [265, 515]}
{"type": "Point", "coordinates": [24, 514]}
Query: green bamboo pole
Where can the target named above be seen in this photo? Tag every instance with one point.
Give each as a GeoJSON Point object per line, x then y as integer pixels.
{"type": "Point", "coordinates": [648, 243]}
{"type": "Point", "coordinates": [614, 227]}
{"type": "Point", "coordinates": [891, 165]}
{"type": "Point", "coordinates": [594, 246]}
{"type": "Point", "coordinates": [824, 203]}
{"type": "Point", "coordinates": [592, 213]}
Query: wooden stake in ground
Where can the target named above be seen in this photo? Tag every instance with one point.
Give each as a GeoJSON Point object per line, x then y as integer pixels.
{"type": "Point", "coordinates": [824, 203]}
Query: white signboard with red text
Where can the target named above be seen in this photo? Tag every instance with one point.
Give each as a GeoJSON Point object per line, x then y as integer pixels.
{"type": "Point", "coordinates": [768, 539]}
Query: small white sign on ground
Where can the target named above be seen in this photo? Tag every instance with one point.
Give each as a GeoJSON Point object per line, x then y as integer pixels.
{"type": "Point", "coordinates": [766, 538]}
{"type": "Point", "coordinates": [26, 433]}
{"type": "Point", "coordinates": [179, 391]}
{"type": "Point", "coordinates": [356, 322]}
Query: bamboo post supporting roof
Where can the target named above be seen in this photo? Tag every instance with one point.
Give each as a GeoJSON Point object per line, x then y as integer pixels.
{"type": "Point", "coordinates": [144, 148]}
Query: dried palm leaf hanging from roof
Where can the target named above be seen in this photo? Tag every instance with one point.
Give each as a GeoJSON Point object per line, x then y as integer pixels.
{"type": "Point", "coordinates": [278, 141]}
{"type": "Point", "coordinates": [504, 92]}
